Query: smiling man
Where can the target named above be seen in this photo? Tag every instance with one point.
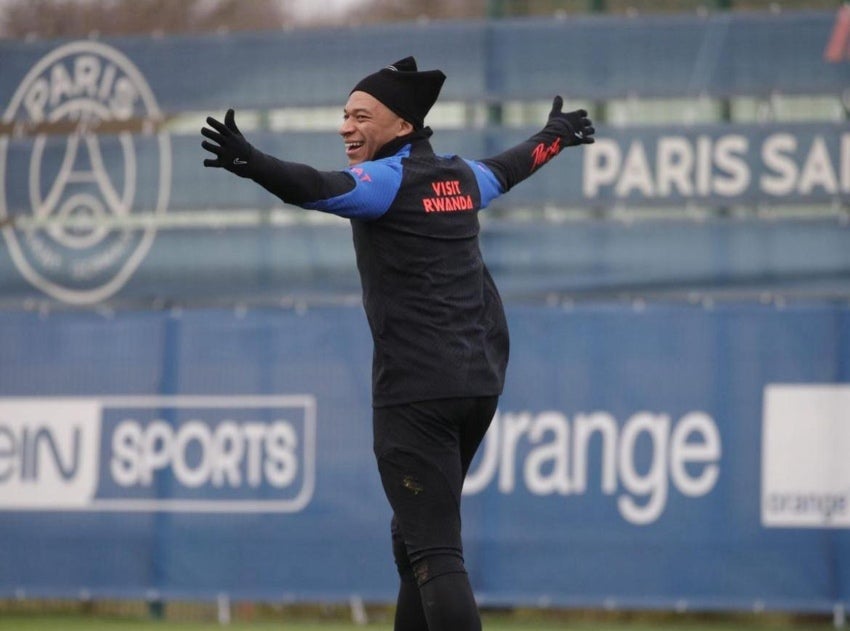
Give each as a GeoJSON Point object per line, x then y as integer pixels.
{"type": "Point", "coordinates": [438, 326]}
{"type": "Point", "coordinates": [368, 125]}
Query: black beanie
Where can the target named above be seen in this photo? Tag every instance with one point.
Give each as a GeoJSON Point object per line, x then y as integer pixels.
{"type": "Point", "coordinates": [404, 90]}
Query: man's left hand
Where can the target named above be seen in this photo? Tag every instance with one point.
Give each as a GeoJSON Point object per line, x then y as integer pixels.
{"type": "Point", "coordinates": [579, 128]}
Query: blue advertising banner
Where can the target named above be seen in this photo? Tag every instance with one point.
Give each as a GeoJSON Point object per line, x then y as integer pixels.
{"type": "Point", "coordinates": [716, 164]}
{"type": "Point", "coordinates": [109, 229]}
{"type": "Point", "coordinates": [657, 455]}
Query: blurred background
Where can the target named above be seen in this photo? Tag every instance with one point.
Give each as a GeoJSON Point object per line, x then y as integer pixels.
{"type": "Point", "coordinates": [184, 362]}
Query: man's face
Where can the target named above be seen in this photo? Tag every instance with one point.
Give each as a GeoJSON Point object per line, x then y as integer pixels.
{"type": "Point", "coordinates": [367, 125]}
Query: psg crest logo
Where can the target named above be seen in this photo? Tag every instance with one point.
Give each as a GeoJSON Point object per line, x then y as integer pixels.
{"type": "Point", "coordinates": [82, 132]}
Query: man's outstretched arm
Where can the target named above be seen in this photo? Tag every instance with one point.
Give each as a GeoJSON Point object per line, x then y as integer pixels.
{"type": "Point", "coordinates": [292, 182]}
{"type": "Point", "coordinates": [563, 129]}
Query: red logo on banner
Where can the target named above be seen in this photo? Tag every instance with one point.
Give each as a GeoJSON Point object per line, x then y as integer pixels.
{"type": "Point", "coordinates": [838, 47]}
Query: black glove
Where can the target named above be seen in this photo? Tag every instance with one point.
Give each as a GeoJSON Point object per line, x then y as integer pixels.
{"type": "Point", "coordinates": [232, 151]}
{"type": "Point", "coordinates": [579, 128]}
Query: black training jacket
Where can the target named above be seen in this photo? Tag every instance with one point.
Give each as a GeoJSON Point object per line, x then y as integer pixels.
{"type": "Point", "coordinates": [437, 321]}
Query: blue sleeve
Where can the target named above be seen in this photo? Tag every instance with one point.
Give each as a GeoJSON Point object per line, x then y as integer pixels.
{"type": "Point", "coordinates": [375, 187]}
{"type": "Point", "coordinates": [488, 183]}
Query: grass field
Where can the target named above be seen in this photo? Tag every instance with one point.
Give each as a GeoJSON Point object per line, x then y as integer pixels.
{"type": "Point", "coordinates": [74, 622]}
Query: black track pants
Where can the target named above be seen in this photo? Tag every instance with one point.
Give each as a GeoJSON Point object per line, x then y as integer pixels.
{"type": "Point", "coordinates": [424, 450]}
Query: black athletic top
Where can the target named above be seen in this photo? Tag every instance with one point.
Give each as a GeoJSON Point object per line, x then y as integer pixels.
{"type": "Point", "coordinates": [437, 321]}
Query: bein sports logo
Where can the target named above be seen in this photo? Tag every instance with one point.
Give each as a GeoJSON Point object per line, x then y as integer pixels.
{"type": "Point", "coordinates": [80, 132]}
{"type": "Point", "coordinates": [225, 454]}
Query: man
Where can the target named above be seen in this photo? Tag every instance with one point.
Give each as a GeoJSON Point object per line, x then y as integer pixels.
{"type": "Point", "coordinates": [439, 330]}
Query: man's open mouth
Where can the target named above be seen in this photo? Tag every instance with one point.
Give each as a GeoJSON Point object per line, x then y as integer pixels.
{"type": "Point", "coordinates": [351, 147]}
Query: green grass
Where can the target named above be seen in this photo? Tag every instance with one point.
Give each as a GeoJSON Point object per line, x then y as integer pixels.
{"type": "Point", "coordinates": [53, 623]}
{"type": "Point", "coordinates": [567, 622]}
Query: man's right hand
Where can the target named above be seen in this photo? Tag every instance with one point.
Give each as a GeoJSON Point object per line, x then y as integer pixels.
{"type": "Point", "coordinates": [231, 150]}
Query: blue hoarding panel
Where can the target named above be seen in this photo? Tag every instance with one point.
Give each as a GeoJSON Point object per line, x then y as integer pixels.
{"type": "Point", "coordinates": [165, 246]}
{"type": "Point", "coordinates": [90, 176]}
{"type": "Point", "coordinates": [590, 57]}
{"type": "Point", "coordinates": [658, 456]}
